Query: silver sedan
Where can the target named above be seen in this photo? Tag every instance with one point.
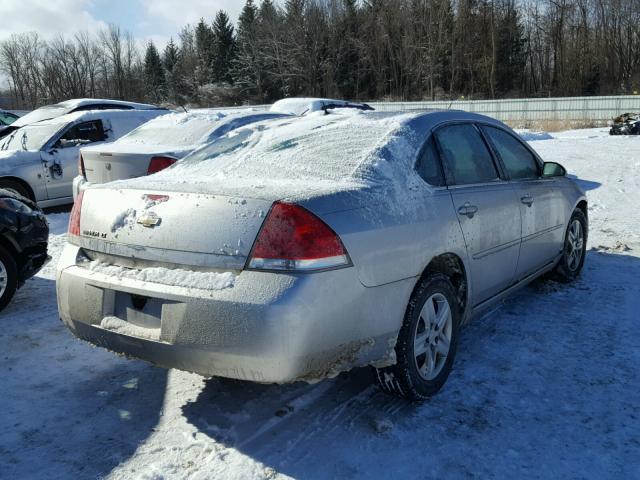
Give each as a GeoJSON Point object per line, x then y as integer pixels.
{"type": "Point", "coordinates": [296, 249]}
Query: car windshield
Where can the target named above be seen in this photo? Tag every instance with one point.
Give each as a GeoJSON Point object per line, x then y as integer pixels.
{"type": "Point", "coordinates": [42, 113]}
{"type": "Point", "coordinates": [30, 137]}
{"type": "Point", "coordinates": [176, 129]}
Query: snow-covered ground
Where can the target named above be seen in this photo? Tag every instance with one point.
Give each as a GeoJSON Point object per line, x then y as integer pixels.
{"type": "Point", "coordinates": [546, 386]}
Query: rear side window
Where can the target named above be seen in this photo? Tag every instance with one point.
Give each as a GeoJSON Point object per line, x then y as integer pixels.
{"type": "Point", "coordinates": [428, 166]}
{"type": "Point", "coordinates": [466, 158]}
{"type": "Point", "coordinates": [517, 159]}
{"type": "Point", "coordinates": [83, 133]}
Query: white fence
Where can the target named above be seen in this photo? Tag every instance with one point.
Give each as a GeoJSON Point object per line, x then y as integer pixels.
{"type": "Point", "coordinates": [597, 109]}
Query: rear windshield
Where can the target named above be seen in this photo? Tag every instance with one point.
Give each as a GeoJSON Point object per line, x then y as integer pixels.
{"type": "Point", "coordinates": [179, 129]}
{"type": "Point", "coordinates": [322, 147]}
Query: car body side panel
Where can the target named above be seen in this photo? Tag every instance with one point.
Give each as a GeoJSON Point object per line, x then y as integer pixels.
{"type": "Point", "coordinates": [386, 245]}
{"type": "Point", "coordinates": [27, 167]}
{"type": "Point", "coordinates": [543, 223]}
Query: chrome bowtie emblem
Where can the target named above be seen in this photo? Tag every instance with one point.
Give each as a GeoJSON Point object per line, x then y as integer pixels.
{"type": "Point", "coordinates": [149, 220]}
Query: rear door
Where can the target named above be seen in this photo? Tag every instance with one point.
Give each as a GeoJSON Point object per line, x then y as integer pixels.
{"type": "Point", "coordinates": [541, 202]}
{"type": "Point", "coordinates": [485, 204]}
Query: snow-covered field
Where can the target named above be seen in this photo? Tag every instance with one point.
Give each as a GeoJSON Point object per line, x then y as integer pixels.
{"type": "Point", "coordinates": [547, 386]}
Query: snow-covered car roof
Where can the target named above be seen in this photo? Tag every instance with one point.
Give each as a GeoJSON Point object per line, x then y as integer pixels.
{"type": "Point", "coordinates": [299, 156]}
{"type": "Point", "coordinates": [183, 131]}
{"type": "Point", "coordinates": [304, 106]}
{"type": "Point", "coordinates": [68, 106]}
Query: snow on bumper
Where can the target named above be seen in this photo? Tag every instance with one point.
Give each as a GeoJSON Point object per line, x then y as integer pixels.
{"type": "Point", "coordinates": [267, 327]}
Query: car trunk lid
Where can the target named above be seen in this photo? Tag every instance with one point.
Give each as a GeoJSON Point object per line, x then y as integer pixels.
{"type": "Point", "coordinates": [102, 167]}
{"type": "Point", "coordinates": [203, 230]}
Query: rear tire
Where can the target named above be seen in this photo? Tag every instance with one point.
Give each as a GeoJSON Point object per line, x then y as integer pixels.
{"type": "Point", "coordinates": [427, 342]}
{"type": "Point", "coordinates": [8, 277]}
{"type": "Point", "coordinates": [575, 249]}
{"type": "Point", "coordinates": [16, 188]}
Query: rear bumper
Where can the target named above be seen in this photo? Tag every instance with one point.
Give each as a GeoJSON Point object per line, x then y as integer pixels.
{"type": "Point", "coordinates": [268, 327]}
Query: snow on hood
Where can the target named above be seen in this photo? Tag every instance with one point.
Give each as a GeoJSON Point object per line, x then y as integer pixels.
{"type": "Point", "coordinates": [294, 156]}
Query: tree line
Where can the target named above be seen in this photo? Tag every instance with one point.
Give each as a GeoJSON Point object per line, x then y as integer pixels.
{"type": "Point", "coordinates": [361, 50]}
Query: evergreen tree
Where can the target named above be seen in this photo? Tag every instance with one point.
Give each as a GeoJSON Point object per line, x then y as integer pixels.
{"type": "Point", "coordinates": [223, 47]}
{"type": "Point", "coordinates": [205, 53]}
{"type": "Point", "coordinates": [510, 58]}
{"type": "Point", "coordinates": [173, 74]}
{"type": "Point", "coordinates": [246, 69]}
{"type": "Point", "coordinates": [154, 73]}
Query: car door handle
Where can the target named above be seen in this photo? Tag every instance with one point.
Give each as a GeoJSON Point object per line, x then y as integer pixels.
{"type": "Point", "coordinates": [468, 210]}
{"type": "Point", "coordinates": [527, 200]}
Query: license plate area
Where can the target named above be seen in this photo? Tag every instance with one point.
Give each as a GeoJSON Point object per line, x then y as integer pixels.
{"type": "Point", "coordinates": [141, 311]}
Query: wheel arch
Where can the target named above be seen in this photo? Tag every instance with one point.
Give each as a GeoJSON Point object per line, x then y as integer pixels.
{"type": "Point", "coordinates": [22, 183]}
{"type": "Point", "coordinates": [453, 267]}
{"type": "Point", "coordinates": [583, 206]}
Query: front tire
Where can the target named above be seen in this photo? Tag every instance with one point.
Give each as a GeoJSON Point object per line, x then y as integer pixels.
{"type": "Point", "coordinates": [8, 278]}
{"type": "Point", "coordinates": [427, 342]}
{"type": "Point", "coordinates": [575, 249]}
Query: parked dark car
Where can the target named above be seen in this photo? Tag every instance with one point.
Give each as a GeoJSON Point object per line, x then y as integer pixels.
{"type": "Point", "coordinates": [626, 124]}
{"type": "Point", "coordinates": [24, 232]}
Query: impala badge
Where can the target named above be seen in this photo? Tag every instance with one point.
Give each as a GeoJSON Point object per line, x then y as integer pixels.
{"type": "Point", "coordinates": [149, 220]}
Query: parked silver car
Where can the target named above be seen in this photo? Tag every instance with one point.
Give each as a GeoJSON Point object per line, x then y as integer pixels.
{"type": "Point", "coordinates": [39, 161]}
{"type": "Point", "coordinates": [295, 250]}
{"type": "Point", "coordinates": [158, 144]}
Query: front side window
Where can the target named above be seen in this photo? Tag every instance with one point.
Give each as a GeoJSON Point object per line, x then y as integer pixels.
{"type": "Point", "coordinates": [82, 134]}
{"type": "Point", "coordinates": [428, 166]}
{"type": "Point", "coordinates": [465, 155]}
{"type": "Point", "coordinates": [517, 159]}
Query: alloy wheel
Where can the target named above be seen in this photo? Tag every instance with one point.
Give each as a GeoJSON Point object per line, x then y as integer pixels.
{"type": "Point", "coordinates": [432, 337]}
{"type": "Point", "coordinates": [575, 245]}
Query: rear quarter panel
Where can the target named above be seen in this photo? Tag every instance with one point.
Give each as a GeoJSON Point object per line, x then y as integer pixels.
{"type": "Point", "coordinates": [390, 241]}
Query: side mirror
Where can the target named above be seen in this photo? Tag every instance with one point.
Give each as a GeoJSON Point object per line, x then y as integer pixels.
{"type": "Point", "coordinates": [553, 169]}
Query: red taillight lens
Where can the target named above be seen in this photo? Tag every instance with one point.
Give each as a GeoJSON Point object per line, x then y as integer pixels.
{"type": "Point", "coordinates": [292, 238]}
{"type": "Point", "coordinates": [159, 163]}
{"type": "Point", "coordinates": [74, 218]}
{"type": "Point", "coordinates": [81, 170]}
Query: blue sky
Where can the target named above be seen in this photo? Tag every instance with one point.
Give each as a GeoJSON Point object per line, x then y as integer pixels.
{"type": "Point", "coordinates": [156, 20]}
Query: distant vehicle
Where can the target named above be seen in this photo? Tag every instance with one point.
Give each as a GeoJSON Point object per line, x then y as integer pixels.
{"type": "Point", "coordinates": [293, 250]}
{"type": "Point", "coordinates": [6, 119]}
{"type": "Point", "coordinates": [158, 144]}
{"type": "Point", "coordinates": [24, 234]}
{"type": "Point", "coordinates": [304, 106]}
{"type": "Point", "coordinates": [39, 161]}
{"type": "Point", "coordinates": [626, 124]}
{"type": "Point", "coordinates": [75, 105]}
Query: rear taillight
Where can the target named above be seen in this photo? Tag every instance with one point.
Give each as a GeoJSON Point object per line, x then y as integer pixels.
{"type": "Point", "coordinates": [294, 239]}
{"type": "Point", "coordinates": [74, 218]}
{"type": "Point", "coordinates": [159, 163]}
{"type": "Point", "coordinates": [81, 170]}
